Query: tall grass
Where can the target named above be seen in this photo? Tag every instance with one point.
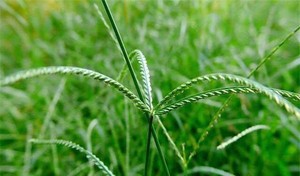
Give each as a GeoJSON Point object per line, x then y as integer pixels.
{"type": "Point", "coordinates": [144, 101]}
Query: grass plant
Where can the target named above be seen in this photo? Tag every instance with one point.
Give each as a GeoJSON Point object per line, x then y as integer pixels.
{"type": "Point", "coordinates": [146, 102]}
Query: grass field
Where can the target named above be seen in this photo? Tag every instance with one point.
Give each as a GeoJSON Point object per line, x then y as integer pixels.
{"type": "Point", "coordinates": [181, 40]}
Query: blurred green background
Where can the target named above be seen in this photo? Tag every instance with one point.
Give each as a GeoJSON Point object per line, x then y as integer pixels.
{"type": "Point", "coordinates": [181, 40]}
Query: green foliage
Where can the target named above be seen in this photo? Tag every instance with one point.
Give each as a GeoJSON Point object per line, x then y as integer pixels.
{"type": "Point", "coordinates": [181, 39]}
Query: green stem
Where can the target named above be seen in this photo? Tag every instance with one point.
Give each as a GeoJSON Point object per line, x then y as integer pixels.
{"type": "Point", "coordinates": [161, 155]}
{"type": "Point", "coordinates": [148, 145]}
{"type": "Point", "coordinates": [123, 49]}
{"type": "Point", "coordinates": [134, 78]}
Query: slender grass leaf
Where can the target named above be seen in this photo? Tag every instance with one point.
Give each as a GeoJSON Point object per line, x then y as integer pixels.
{"type": "Point", "coordinates": [108, 28]}
{"type": "Point", "coordinates": [207, 170]}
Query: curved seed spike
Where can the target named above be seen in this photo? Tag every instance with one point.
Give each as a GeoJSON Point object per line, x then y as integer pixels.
{"type": "Point", "coordinates": [236, 79]}
{"type": "Point", "coordinates": [145, 76]}
{"type": "Point", "coordinates": [292, 95]}
{"type": "Point", "coordinates": [219, 92]}
{"type": "Point", "coordinates": [95, 160]}
{"type": "Point", "coordinates": [75, 71]}
{"type": "Point", "coordinates": [242, 134]}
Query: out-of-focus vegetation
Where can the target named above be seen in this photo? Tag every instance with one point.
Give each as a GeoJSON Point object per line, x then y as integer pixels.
{"type": "Point", "coordinates": [181, 40]}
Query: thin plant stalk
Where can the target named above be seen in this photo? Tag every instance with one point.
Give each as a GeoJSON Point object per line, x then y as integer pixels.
{"type": "Point", "coordinates": [161, 155]}
{"type": "Point", "coordinates": [123, 48]}
{"type": "Point", "coordinates": [268, 57]}
{"type": "Point", "coordinates": [134, 78]}
{"type": "Point", "coordinates": [148, 146]}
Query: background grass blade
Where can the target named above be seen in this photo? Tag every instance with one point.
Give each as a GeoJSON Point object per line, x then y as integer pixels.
{"type": "Point", "coordinates": [75, 71]}
{"type": "Point", "coordinates": [207, 170]}
{"type": "Point", "coordinates": [108, 28]}
{"type": "Point", "coordinates": [241, 134]}
{"type": "Point", "coordinates": [95, 160]}
{"type": "Point", "coordinates": [52, 106]}
{"type": "Point", "coordinates": [124, 69]}
{"type": "Point", "coordinates": [268, 57]}
{"type": "Point", "coordinates": [171, 141]}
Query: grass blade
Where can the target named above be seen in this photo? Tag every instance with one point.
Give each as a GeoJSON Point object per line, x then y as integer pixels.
{"type": "Point", "coordinates": [108, 28]}
{"type": "Point", "coordinates": [171, 141]}
{"type": "Point", "coordinates": [206, 170]}
{"type": "Point", "coordinates": [52, 107]}
{"type": "Point", "coordinates": [123, 71]}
